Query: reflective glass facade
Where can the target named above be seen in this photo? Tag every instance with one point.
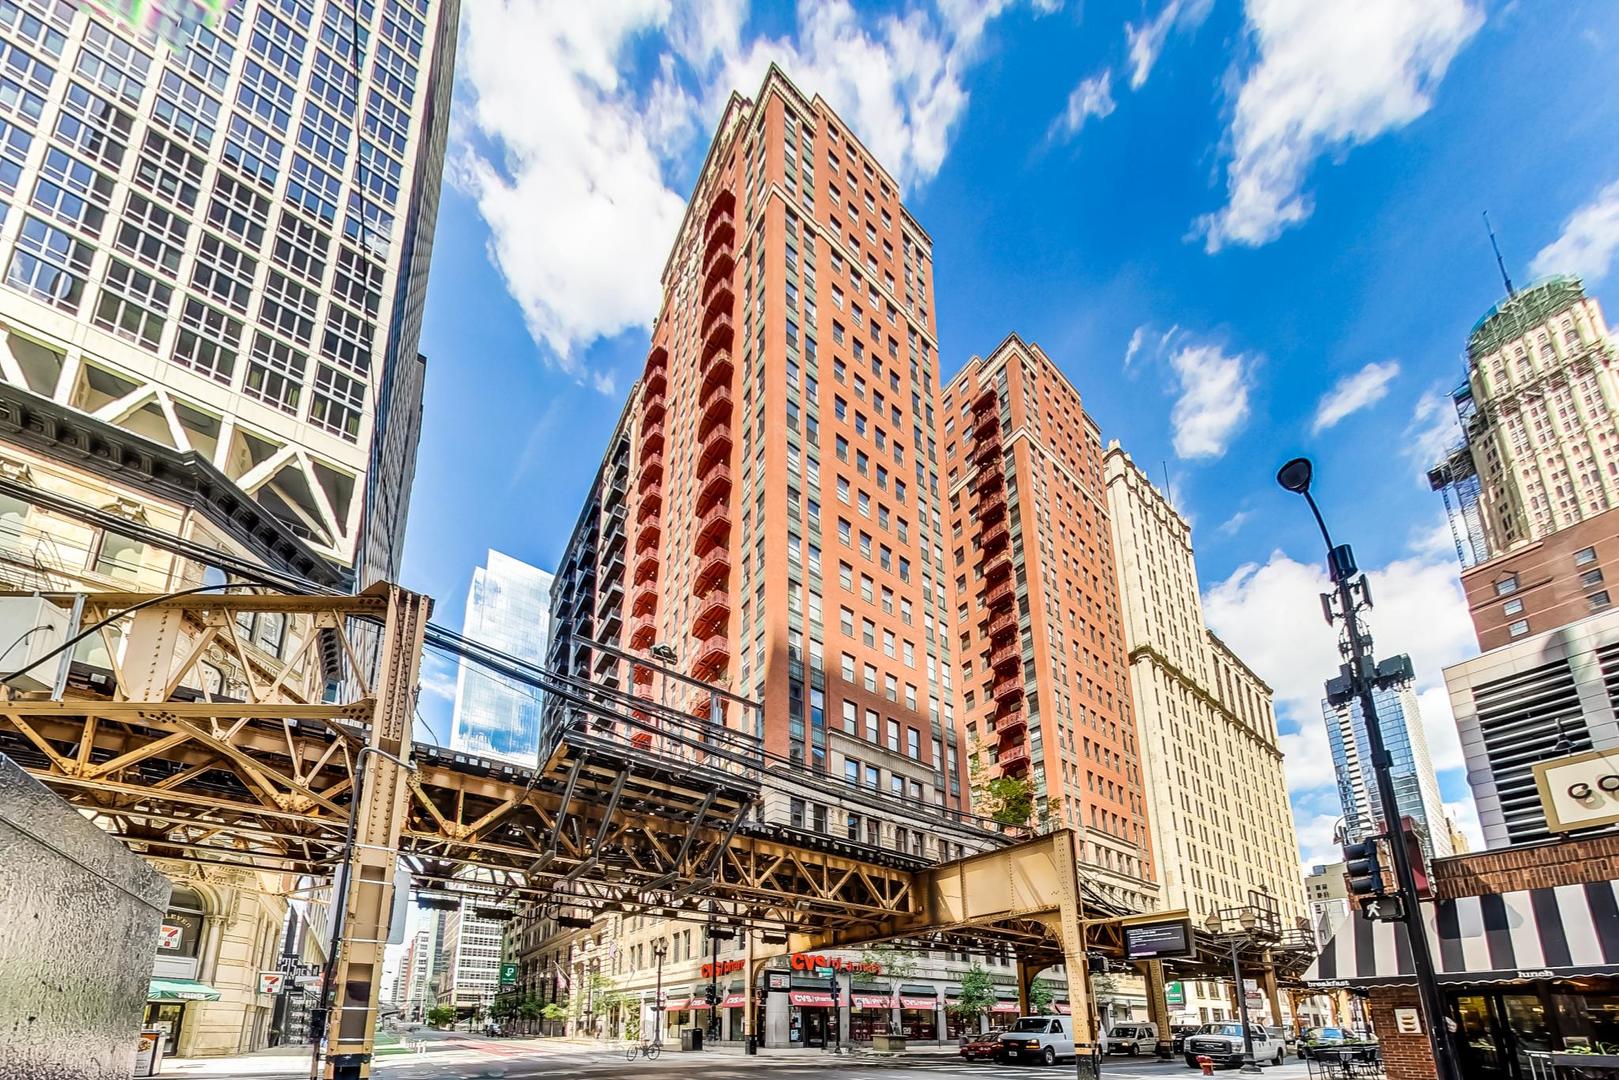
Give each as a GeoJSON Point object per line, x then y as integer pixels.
{"type": "Point", "coordinates": [508, 608]}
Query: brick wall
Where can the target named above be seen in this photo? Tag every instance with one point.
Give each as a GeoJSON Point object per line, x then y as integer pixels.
{"type": "Point", "coordinates": [1532, 866]}
{"type": "Point", "coordinates": [1405, 1057]}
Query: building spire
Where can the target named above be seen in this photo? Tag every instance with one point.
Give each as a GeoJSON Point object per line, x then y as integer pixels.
{"type": "Point", "coordinates": [1499, 262]}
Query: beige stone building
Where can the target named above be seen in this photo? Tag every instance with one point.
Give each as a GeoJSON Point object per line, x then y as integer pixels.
{"type": "Point", "coordinates": [1221, 824]}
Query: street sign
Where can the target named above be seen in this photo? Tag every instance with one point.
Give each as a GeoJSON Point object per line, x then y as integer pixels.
{"type": "Point", "coordinates": [271, 982]}
{"type": "Point", "coordinates": [1383, 909]}
{"type": "Point", "coordinates": [168, 937]}
{"type": "Point", "coordinates": [1158, 940]}
{"type": "Point", "coordinates": [1174, 993]}
{"type": "Point", "coordinates": [508, 974]}
{"type": "Point", "coordinates": [288, 965]}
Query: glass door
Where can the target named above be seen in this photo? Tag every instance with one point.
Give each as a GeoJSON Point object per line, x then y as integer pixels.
{"type": "Point", "coordinates": [1477, 1041]}
{"type": "Point", "coordinates": [1528, 1029]}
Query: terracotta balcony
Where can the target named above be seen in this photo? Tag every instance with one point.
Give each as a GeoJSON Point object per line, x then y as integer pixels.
{"type": "Point", "coordinates": [713, 612]}
{"type": "Point", "coordinates": [1013, 760]}
{"type": "Point", "coordinates": [657, 379]}
{"type": "Point", "coordinates": [652, 438]}
{"type": "Point", "coordinates": [991, 487]}
{"type": "Point", "coordinates": [649, 508]}
{"type": "Point", "coordinates": [987, 452]}
{"type": "Point", "coordinates": [644, 600]}
{"type": "Point", "coordinates": [652, 408]}
{"type": "Point", "coordinates": [713, 653]}
{"type": "Point", "coordinates": [651, 468]}
{"type": "Point", "coordinates": [646, 566]}
{"type": "Point", "coordinates": [657, 360]}
{"type": "Point", "coordinates": [714, 487]}
{"type": "Point", "coordinates": [1011, 726]}
{"type": "Point", "coordinates": [995, 537]}
{"type": "Point", "coordinates": [716, 410]}
{"type": "Point", "coordinates": [720, 303]}
{"type": "Point", "coordinates": [986, 423]}
{"type": "Point", "coordinates": [991, 509]}
{"type": "Point", "coordinates": [717, 372]}
{"type": "Point", "coordinates": [723, 206]}
{"type": "Point", "coordinates": [997, 567]}
{"type": "Point", "coordinates": [1005, 658]}
{"type": "Point", "coordinates": [713, 569]}
{"type": "Point", "coordinates": [719, 240]}
{"type": "Point", "coordinates": [718, 339]}
{"type": "Point", "coordinates": [719, 272]}
{"type": "Point", "coordinates": [1007, 689]}
{"type": "Point", "coordinates": [647, 537]}
{"type": "Point", "coordinates": [716, 448]}
{"type": "Point", "coordinates": [986, 400]}
{"type": "Point", "coordinates": [643, 675]}
{"type": "Point", "coordinates": [999, 594]}
{"type": "Point", "coordinates": [713, 528]}
{"type": "Point", "coordinates": [643, 631]}
{"type": "Point", "coordinates": [1001, 625]}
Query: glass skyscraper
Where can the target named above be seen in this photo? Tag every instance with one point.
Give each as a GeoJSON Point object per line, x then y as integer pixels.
{"type": "Point", "coordinates": [1416, 787]}
{"type": "Point", "coordinates": [508, 608]}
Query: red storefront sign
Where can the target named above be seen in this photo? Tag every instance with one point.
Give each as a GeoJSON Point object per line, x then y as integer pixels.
{"type": "Point", "coordinates": [810, 998]}
{"type": "Point", "coordinates": [815, 962]}
{"type": "Point", "coordinates": [872, 1001]}
{"type": "Point", "coordinates": [918, 1003]}
{"type": "Point", "coordinates": [726, 967]}
{"type": "Point", "coordinates": [734, 1001]}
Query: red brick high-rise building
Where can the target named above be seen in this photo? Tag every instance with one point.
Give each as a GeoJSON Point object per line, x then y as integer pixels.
{"type": "Point", "coordinates": [1042, 671]}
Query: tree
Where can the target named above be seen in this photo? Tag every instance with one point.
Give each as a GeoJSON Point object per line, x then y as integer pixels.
{"type": "Point", "coordinates": [1011, 800]}
{"type": "Point", "coordinates": [475, 1015]}
{"type": "Point", "coordinates": [554, 1012]}
{"type": "Point", "coordinates": [440, 1015]}
{"type": "Point", "coordinates": [1040, 997]}
{"type": "Point", "coordinates": [976, 998]}
{"type": "Point", "coordinates": [897, 964]}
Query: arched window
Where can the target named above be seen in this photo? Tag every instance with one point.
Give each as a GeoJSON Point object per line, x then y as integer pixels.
{"type": "Point", "coordinates": [182, 924]}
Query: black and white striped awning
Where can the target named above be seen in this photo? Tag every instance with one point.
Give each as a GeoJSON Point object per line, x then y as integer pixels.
{"type": "Point", "coordinates": [1560, 932]}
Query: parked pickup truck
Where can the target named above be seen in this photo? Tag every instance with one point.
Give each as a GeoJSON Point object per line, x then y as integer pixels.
{"type": "Point", "coordinates": [1038, 1038]}
{"type": "Point", "coordinates": [1222, 1043]}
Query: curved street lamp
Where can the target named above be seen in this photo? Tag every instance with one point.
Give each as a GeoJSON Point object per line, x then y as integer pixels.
{"type": "Point", "coordinates": [1351, 593]}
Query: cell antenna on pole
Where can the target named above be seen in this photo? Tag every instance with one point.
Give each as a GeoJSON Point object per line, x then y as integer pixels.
{"type": "Point", "coordinates": [1500, 262]}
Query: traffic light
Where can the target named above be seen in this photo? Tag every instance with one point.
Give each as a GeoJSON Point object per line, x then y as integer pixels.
{"type": "Point", "coordinates": [710, 998]}
{"type": "Point", "coordinates": [832, 985]}
{"type": "Point", "coordinates": [1364, 868]}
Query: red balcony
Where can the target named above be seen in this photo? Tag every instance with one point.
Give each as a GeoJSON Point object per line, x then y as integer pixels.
{"type": "Point", "coordinates": [716, 410]}
{"type": "Point", "coordinates": [718, 339]}
{"type": "Point", "coordinates": [717, 373]}
{"type": "Point", "coordinates": [646, 566]}
{"type": "Point", "coordinates": [713, 528]}
{"type": "Point", "coordinates": [993, 509]}
{"type": "Point", "coordinates": [644, 601]}
{"type": "Point", "coordinates": [652, 439]}
{"type": "Point", "coordinates": [712, 655]}
{"type": "Point", "coordinates": [986, 423]}
{"type": "Point", "coordinates": [1013, 759]}
{"type": "Point", "coordinates": [713, 612]}
{"type": "Point", "coordinates": [651, 470]}
{"type": "Point", "coordinates": [656, 379]}
{"type": "Point", "coordinates": [1009, 689]}
{"type": "Point", "coordinates": [643, 631]}
{"type": "Point", "coordinates": [719, 240]}
{"type": "Point", "coordinates": [990, 487]}
{"type": "Point", "coordinates": [721, 270]}
{"type": "Point", "coordinates": [703, 706]}
{"type": "Point", "coordinates": [999, 594]}
{"type": "Point", "coordinates": [1001, 625]}
{"type": "Point", "coordinates": [657, 360]}
{"type": "Point", "coordinates": [649, 509]}
{"type": "Point", "coordinates": [647, 537]}
{"type": "Point", "coordinates": [986, 400]}
{"type": "Point", "coordinates": [1011, 726]}
{"type": "Point", "coordinates": [716, 447]}
{"type": "Point", "coordinates": [720, 304]}
{"type": "Point", "coordinates": [723, 206]}
{"type": "Point", "coordinates": [715, 486]}
{"type": "Point", "coordinates": [714, 569]}
{"type": "Point", "coordinates": [643, 676]}
{"type": "Point", "coordinates": [995, 538]}
{"type": "Point", "coordinates": [652, 409]}
{"type": "Point", "coordinates": [987, 452]}
{"type": "Point", "coordinates": [997, 567]}
{"type": "Point", "coordinates": [1005, 658]}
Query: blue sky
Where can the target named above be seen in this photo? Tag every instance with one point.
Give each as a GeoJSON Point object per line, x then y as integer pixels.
{"type": "Point", "coordinates": [1243, 229]}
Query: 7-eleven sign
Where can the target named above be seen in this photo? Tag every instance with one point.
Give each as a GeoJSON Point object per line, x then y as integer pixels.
{"type": "Point", "coordinates": [168, 937]}
{"type": "Point", "coordinates": [271, 982]}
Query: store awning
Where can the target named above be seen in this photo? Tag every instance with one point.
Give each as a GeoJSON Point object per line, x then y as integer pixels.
{"type": "Point", "coordinates": [908, 1002]}
{"type": "Point", "coordinates": [809, 997]}
{"type": "Point", "coordinates": [1063, 1008]}
{"type": "Point", "coordinates": [1561, 932]}
{"type": "Point", "coordinates": [181, 990]}
{"type": "Point", "coordinates": [677, 1004]}
{"type": "Point", "coordinates": [1004, 1007]}
{"type": "Point", "coordinates": [734, 1001]}
{"type": "Point", "coordinates": [872, 1001]}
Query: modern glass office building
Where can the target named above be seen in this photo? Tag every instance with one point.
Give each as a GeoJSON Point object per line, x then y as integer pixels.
{"type": "Point", "coordinates": [1416, 786]}
{"type": "Point", "coordinates": [508, 608]}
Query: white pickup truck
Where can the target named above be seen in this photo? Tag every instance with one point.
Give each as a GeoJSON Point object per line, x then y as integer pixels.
{"type": "Point", "coordinates": [1038, 1038]}
{"type": "Point", "coordinates": [1223, 1044]}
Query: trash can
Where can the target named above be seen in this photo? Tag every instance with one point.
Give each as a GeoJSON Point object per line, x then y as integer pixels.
{"type": "Point", "coordinates": [691, 1039]}
{"type": "Point", "coordinates": [750, 1045]}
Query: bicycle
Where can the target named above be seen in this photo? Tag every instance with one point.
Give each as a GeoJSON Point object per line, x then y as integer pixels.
{"type": "Point", "coordinates": [647, 1049]}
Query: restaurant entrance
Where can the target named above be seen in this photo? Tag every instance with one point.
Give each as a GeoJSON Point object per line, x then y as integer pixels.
{"type": "Point", "coordinates": [1506, 1033]}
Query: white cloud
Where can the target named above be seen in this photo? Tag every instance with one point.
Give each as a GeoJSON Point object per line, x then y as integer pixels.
{"type": "Point", "coordinates": [1433, 429]}
{"type": "Point", "coordinates": [572, 164]}
{"type": "Point", "coordinates": [1270, 616]}
{"type": "Point", "coordinates": [1233, 524]}
{"type": "Point", "coordinates": [1092, 97]}
{"type": "Point", "coordinates": [1318, 841]}
{"type": "Point", "coordinates": [1352, 393]}
{"type": "Point", "coordinates": [1213, 401]}
{"type": "Point", "coordinates": [1146, 41]}
{"type": "Point", "coordinates": [1328, 76]}
{"type": "Point", "coordinates": [1138, 340]}
{"type": "Point", "coordinates": [1589, 239]}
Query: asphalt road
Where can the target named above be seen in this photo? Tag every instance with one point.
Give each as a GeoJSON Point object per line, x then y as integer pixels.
{"type": "Point", "coordinates": [495, 1059]}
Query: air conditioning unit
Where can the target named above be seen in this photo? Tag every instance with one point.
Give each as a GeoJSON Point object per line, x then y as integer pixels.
{"type": "Point", "coordinates": [31, 628]}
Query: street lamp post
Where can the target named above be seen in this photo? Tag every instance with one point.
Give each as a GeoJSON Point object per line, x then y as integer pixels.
{"type": "Point", "coordinates": [1352, 594]}
{"type": "Point", "coordinates": [658, 950]}
{"type": "Point", "coordinates": [1215, 925]}
{"type": "Point", "coordinates": [713, 984]}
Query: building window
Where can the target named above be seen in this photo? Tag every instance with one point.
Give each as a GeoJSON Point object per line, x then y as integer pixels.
{"type": "Point", "coordinates": [1507, 585]}
{"type": "Point", "coordinates": [1591, 577]}
{"type": "Point", "coordinates": [1598, 600]}
{"type": "Point", "coordinates": [1585, 556]}
{"type": "Point", "coordinates": [1512, 607]}
{"type": "Point", "coordinates": [1519, 628]}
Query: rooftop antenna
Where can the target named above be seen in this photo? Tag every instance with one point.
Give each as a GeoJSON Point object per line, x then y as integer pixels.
{"type": "Point", "coordinates": [1500, 262]}
{"type": "Point", "coordinates": [1169, 492]}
